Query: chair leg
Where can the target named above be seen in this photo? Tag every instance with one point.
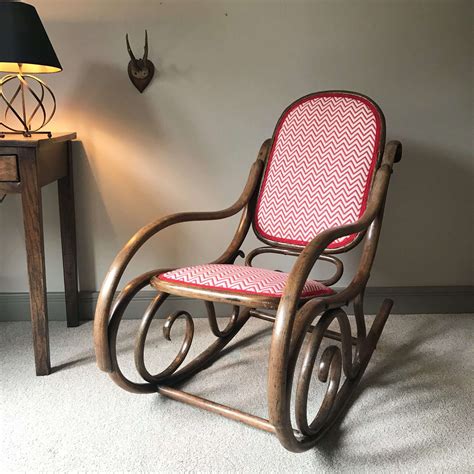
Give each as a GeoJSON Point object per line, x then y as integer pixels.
{"type": "Point", "coordinates": [174, 373]}
{"type": "Point", "coordinates": [334, 364]}
{"type": "Point", "coordinates": [223, 410]}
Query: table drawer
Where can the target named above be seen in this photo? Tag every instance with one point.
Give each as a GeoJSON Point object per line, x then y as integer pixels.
{"type": "Point", "coordinates": [8, 168]}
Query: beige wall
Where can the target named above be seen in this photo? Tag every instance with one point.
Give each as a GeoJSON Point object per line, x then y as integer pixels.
{"type": "Point", "coordinates": [226, 71]}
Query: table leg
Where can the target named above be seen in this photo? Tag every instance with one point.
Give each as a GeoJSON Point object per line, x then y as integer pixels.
{"type": "Point", "coordinates": [68, 242]}
{"type": "Point", "coordinates": [33, 223]}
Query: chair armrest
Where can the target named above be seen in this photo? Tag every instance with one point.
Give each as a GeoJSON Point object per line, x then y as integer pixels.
{"type": "Point", "coordinates": [310, 254]}
{"type": "Point", "coordinates": [123, 258]}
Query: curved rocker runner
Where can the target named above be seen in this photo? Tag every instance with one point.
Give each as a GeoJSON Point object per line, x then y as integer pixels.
{"type": "Point", "coordinates": [317, 188]}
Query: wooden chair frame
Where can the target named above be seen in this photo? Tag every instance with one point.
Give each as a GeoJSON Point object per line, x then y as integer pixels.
{"type": "Point", "coordinates": [293, 320]}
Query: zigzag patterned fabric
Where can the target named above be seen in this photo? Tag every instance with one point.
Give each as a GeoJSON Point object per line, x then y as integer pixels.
{"type": "Point", "coordinates": [240, 279]}
{"type": "Point", "coordinates": [320, 168]}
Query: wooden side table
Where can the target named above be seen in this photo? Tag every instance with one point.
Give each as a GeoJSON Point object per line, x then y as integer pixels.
{"type": "Point", "coordinates": [27, 164]}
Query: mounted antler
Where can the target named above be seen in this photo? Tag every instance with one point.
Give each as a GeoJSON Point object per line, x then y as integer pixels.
{"type": "Point", "coordinates": [132, 56]}
{"type": "Point", "coordinates": [145, 49]}
{"type": "Point", "coordinates": [140, 71]}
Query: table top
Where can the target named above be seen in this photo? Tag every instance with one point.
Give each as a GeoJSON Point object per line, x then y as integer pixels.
{"type": "Point", "coordinates": [35, 140]}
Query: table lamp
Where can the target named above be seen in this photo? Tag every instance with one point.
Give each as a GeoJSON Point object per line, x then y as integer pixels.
{"type": "Point", "coordinates": [25, 49]}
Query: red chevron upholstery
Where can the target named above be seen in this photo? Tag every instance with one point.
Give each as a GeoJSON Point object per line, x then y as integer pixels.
{"type": "Point", "coordinates": [320, 167]}
{"type": "Point", "coordinates": [240, 279]}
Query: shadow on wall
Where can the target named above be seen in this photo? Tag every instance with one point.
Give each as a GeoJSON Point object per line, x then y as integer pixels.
{"type": "Point", "coordinates": [89, 204]}
{"type": "Point", "coordinates": [419, 196]}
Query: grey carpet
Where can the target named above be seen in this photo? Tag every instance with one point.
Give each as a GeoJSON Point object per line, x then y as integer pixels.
{"type": "Point", "coordinates": [412, 412]}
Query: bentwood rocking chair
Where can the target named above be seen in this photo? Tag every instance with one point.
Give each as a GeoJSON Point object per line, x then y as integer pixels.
{"type": "Point", "coordinates": [317, 188]}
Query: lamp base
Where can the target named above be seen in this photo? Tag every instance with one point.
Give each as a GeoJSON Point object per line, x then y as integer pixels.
{"type": "Point", "coordinates": [25, 133]}
{"type": "Point", "coordinates": [22, 115]}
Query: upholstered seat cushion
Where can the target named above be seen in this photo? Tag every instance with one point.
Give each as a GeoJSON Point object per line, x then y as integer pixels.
{"type": "Point", "coordinates": [240, 279]}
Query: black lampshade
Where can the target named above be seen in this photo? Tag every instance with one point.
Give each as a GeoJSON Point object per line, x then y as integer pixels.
{"type": "Point", "coordinates": [24, 42]}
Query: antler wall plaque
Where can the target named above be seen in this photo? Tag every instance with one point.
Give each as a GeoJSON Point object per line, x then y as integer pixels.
{"type": "Point", "coordinates": [141, 70]}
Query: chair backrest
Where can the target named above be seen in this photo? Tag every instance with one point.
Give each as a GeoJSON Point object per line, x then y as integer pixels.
{"type": "Point", "coordinates": [326, 147]}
